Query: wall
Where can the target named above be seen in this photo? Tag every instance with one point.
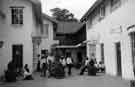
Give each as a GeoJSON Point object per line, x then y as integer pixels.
{"type": "Point", "coordinates": [12, 34]}
{"type": "Point", "coordinates": [95, 14]}
{"type": "Point", "coordinates": [121, 18]}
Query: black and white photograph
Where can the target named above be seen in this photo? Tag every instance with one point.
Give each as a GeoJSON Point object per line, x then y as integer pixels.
{"type": "Point", "coordinates": [67, 43]}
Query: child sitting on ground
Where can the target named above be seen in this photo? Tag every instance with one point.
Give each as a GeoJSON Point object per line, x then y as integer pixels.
{"type": "Point", "coordinates": [27, 73]}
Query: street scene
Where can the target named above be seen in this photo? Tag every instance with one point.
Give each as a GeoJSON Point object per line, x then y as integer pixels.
{"type": "Point", "coordinates": [67, 43]}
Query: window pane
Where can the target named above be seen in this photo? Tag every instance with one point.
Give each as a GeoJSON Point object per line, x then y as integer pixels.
{"type": "Point", "coordinates": [102, 10]}
{"type": "Point", "coordinates": [113, 2]}
{"type": "Point", "coordinates": [92, 50]}
{"type": "Point", "coordinates": [45, 30]}
{"type": "Point", "coordinates": [17, 15]}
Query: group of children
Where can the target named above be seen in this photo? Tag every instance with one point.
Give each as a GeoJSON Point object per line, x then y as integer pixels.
{"type": "Point", "coordinates": [92, 67]}
{"type": "Point", "coordinates": [55, 66]}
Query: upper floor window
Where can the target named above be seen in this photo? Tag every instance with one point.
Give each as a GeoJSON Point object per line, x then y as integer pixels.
{"type": "Point", "coordinates": [102, 10]}
{"type": "Point", "coordinates": [115, 4]}
{"type": "Point", "coordinates": [89, 23]}
{"type": "Point", "coordinates": [17, 15]}
{"type": "Point", "coordinates": [45, 30]}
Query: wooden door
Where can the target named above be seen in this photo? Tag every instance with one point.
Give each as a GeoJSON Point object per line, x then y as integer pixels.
{"type": "Point", "coordinates": [118, 56]}
{"type": "Point", "coordinates": [17, 54]}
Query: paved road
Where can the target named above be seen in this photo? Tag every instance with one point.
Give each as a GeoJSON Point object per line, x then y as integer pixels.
{"type": "Point", "coordinates": [72, 81]}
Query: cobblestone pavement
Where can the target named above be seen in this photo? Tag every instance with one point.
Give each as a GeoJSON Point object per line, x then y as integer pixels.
{"type": "Point", "coordinates": [71, 81]}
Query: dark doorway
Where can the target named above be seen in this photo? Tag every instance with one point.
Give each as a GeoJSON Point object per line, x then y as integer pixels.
{"type": "Point", "coordinates": [118, 56]}
{"type": "Point", "coordinates": [102, 52]}
{"type": "Point", "coordinates": [132, 36]}
{"type": "Point", "coordinates": [68, 54]}
{"type": "Point", "coordinates": [17, 55]}
{"type": "Point", "coordinates": [79, 56]}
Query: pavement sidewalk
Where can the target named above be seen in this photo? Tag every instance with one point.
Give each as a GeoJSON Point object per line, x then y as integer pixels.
{"type": "Point", "coordinates": [113, 81]}
{"type": "Point", "coordinates": [75, 80]}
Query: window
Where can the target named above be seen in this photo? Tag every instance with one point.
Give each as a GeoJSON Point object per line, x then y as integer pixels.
{"type": "Point", "coordinates": [89, 25]}
{"type": "Point", "coordinates": [2, 15]}
{"type": "Point", "coordinates": [17, 15]}
{"type": "Point", "coordinates": [132, 36]}
{"type": "Point", "coordinates": [1, 44]}
{"type": "Point", "coordinates": [115, 4]}
{"type": "Point", "coordinates": [92, 50]}
{"type": "Point", "coordinates": [45, 30]}
{"type": "Point", "coordinates": [102, 52]}
{"type": "Point", "coordinates": [102, 11]}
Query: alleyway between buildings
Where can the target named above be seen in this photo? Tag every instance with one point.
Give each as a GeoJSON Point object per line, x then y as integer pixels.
{"type": "Point", "coordinates": [71, 81]}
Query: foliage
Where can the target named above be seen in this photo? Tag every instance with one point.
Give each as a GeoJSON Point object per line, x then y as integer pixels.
{"type": "Point", "coordinates": [63, 15]}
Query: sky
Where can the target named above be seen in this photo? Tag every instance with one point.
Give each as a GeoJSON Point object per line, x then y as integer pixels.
{"type": "Point", "coordinates": [77, 7]}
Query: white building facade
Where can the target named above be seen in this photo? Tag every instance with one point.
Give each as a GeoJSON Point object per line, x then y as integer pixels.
{"type": "Point", "coordinates": [111, 37]}
{"type": "Point", "coordinates": [16, 30]}
{"type": "Point", "coordinates": [48, 33]}
{"type": "Point", "coordinates": [46, 39]}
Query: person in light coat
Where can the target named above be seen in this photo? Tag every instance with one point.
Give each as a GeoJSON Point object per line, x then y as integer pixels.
{"type": "Point", "coordinates": [69, 64]}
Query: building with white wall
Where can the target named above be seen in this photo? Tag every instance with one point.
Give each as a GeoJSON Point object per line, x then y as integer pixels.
{"type": "Point", "coordinates": [46, 38]}
{"type": "Point", "coordinates": [48, 33]}
{"type": "Point", "coordinates": [110, 35]}
{"type": "Point", "coordinates": [19, 20]}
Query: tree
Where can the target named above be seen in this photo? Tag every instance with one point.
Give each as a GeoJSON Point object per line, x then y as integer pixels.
{"type": "Point", "coordinates": [63, 15]}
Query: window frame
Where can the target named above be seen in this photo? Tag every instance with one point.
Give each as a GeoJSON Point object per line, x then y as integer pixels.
{"type": "Point", "coordinates": [92, 50]}
{"type": "Point", "coordinates": [115, 4]}
{"type": "Point", "coordinates": [102, 11]}
{"type": "Point", "coordinates": [132, 42]}
{"type": "Point", "coordinates": [17, 15]}
{"type": "Point", "coordinates": [45, 30]}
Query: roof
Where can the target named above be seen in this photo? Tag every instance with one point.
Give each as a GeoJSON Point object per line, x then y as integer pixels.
{"type": "Point", "coordinates": [68, 27]}
{"type": "Point", "coordinates": [86, 15]}
{"type": "Point", "coordinates": [49, 18]}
